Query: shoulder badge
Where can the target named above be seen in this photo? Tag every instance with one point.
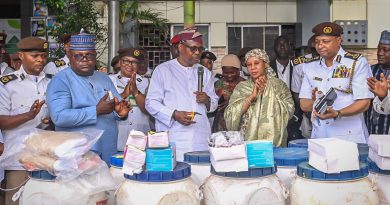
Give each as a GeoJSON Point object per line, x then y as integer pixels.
{"type": "Point", "coordinates": [59, 62]}
{"type": "Point", "coordinates": [8, 78]}
{"type": "Point", "coordinates": [353, 56]}
{"type": "Point", "coordinates": [299, 60]}
{"type": "Point", "coordinates": [309, 60]}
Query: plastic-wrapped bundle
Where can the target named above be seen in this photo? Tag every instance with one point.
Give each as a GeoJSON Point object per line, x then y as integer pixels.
{"type": "Point", "coordinates": [63, 154]}
{"type": "Point", "coordinates": [226, 139]}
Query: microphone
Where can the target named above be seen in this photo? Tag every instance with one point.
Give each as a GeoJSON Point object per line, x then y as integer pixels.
{"type": "Point", "coordinates": [200, 78]}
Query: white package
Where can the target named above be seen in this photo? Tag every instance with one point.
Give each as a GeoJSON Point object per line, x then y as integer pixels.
{"type": "Point", "coordinates": [137, 139]}
{"type": "Point", "coordinates": [226, 153]}
{"type": "Point", "coordinates": [133, 161]}
{"type": "Point", "coordinates": [158, 140]}
{"type": "Point", "coordinates": [331, 155]}
{"type": "Point", "coordinates": [232, 165]}
{"type": "Point", "coordinates": [380, 144]}
{"type": "Point", "coordinates": [382, 162]}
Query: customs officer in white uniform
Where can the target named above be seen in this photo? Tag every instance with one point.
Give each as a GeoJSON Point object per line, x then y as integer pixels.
{"type": "Point", "coordinates": [345, 72]}
{"type": "Point", "coordinates": [132, 86]}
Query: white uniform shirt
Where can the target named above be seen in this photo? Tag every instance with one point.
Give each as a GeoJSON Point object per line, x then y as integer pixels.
{"type": "Point", "coordinates": [316, 74]}
{"type": "Point", "coordinates": [172, 88]}
{"type": "Point", "coordinates": [16, 97]}
{"type": "Point", "coordinates": [297, 77]}
{"type": "Point", "coordinates": [1, 168]}
{"type": "Point", "coordinates": [136, 120]}
{"type": "Point", "coordinates": [382, 107]}
{"type": "Point", "coordinates": [56, 66]}
{"type": "Point", "coordinates": [284, 72]}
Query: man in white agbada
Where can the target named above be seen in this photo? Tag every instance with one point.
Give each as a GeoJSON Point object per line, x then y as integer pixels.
{"type": "Point", "coordinates": [173, 95]}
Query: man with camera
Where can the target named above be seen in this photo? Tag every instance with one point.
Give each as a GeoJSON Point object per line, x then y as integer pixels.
{"type": "Point", "coordinates": [345, 72]}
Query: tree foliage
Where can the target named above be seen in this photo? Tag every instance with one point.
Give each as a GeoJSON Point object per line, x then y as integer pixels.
{"type": "Point", "coordinates": [72, 15]}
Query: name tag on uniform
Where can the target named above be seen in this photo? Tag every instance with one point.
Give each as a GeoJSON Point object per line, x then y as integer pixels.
{"type": "Point", "coordinates": [341, 72]}
{"type": "Point", "coordinates": [317, 79]}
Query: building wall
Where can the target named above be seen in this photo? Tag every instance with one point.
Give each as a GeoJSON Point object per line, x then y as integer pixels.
{"type": "Point", "coordinates": [374, 11]}
{"type": "Point", "coordinates": [219, 13]}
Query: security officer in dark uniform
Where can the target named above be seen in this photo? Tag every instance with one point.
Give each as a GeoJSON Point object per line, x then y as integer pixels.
{"type": "Point", "coordinates": [346, 73]}
{"type": "Point", "coordinates": [22, 107]}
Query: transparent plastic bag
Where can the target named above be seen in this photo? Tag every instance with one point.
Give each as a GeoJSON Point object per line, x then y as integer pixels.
{"type": "Point", "coordinates": [226, 139]}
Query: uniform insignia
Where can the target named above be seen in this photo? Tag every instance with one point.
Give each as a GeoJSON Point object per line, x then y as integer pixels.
{"type": "Point", "coordinates": [136, 53]}
{"type": "Point", "coordinates": [299, 60]}
{"type": "Point", "coordinates": [59, 62]}
{"type": "Point", "coordinates": [338, 58]}
{"type": "Point", "coordinates": [45, 45]}
{"type": "Point", "coordinates": [317, 78]}
{"type": "Point", "coordinates": [119, 77]}
{"type": "Point", "coordinates": [139, 79]}
{"type": "Point", "coordinates": [22, 76]}
{"type": "Point", "coordinates": [353, 56]}
{"type": "Point", "coordinates": [341, 72]}
{"type": "Point", "coordinates": [8, 78]}
{"type": "Point", "coordinates": [118, 86]}
{"type": "Point", "coordinates": [327, 30]}
{"type": "Point", "coordinates": [49, 76]}
{"type": "Point", "coordinates": [309, 60]}
{"type": "Point", "coordinates": [147, 76]}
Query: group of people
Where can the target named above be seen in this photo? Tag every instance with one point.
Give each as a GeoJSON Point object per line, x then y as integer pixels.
{"type": "Point", "coordinates": [262, 98]}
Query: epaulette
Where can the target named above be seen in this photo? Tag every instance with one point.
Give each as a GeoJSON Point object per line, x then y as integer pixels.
{"type": "Point", "coordinates": [303, 59]}
{"type": "Point", "coordinates": [8, 78]}
{"type": "Point", "coordinates": [59, 62]}
{"type": "Point", "coordinates": [50, 76]}
{"type": "Point", "coordinates": [353, 56]}
{"type": "Point", "coordinates": [218, 75]}
{"type": "Point", "coordinates": [309, 60]}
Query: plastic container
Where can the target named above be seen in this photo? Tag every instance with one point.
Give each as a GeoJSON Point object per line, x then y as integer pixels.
{"type": "Point", "coordinates": [160, 188]}
{"type": "Point", "coordinates": [256, 186]}
{"type": "Point", "coordinates": [314, 187]}
{"type": "Point", "coordinates": [43, 189]}
{"type": "Point", "coordinates": [116, 162]}
{"type": "Point", "coordinates": [287, 160]}
{"type": "Point", "coordinates": [301, 143]}
{"type": "Point", "coordinates": [200, 165]}
{"type": "Point", "coordinates": [363, 148]}
{"type": "Point", "coordinates": [382, 178]}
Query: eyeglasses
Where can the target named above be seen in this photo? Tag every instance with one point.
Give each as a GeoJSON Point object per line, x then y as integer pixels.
{"type": "Point", "coordinates": [193, 49]}
{"type": "Point", "coordinates": [129, 62]}
{"type": "Point", "coordinates": [88, 56]}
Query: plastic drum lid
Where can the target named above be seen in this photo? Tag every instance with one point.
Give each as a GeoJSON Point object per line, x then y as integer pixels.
{"type": "Point", "coordinates": [298, 143]}
{"type": "Point", "coordinates": [374, 168]}
{"type": "Point", "coordinates": [199, 157]}
{"type": "Point", "coordinates": [251, 173]}
{"type": "Point", "coordinates": [309, 172]}
{"type": "Point", "coordinates": [181, 171]}
{"type": "Point", "coordinates": [41, 175]}
{"type": "Point", "coordinates": [290, 156]}
{"type": "Point", "coordinates": [117, 160]}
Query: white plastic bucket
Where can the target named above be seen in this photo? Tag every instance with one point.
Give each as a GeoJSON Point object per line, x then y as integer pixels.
{"type": "Point", "coordinates": [49, 192]}
{"type": "Point", "coordinates": [160, 188]}
{"type": "Point", "coordinates": [382, 179]}
{"type": "Point", "coordinates": [219, 190]}
{"type": "Point", "coordinates": [287, 160]}
{"type": "Point", "coordinates": [314, 187]}
{"type": "Point", "coordinates": [116, 162]}
{"type": "Point", "coordinates": [200, 165]}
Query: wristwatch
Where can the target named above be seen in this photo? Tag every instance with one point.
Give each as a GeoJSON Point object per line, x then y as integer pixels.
{"type": "Point", "coordinates": [338, 115]}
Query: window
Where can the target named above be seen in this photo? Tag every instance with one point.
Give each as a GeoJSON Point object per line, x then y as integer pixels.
{"type": "Point", "coordinates": [256, 36]}
{"type": "Point", "coordinates": [202, 28]}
